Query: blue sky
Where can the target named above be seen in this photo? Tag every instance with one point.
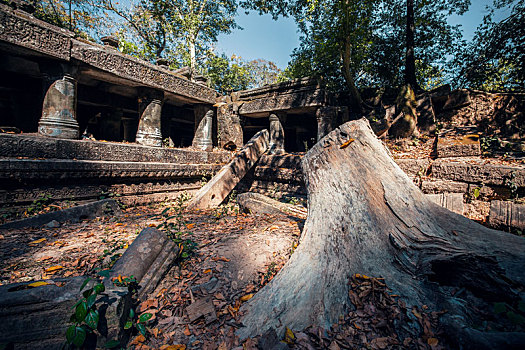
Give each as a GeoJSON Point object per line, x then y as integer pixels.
{"type": "Point", "coordinates": [272, 40]}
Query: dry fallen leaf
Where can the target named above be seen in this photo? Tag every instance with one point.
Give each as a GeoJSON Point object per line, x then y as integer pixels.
{"type": "Point", "coordinates": [432, 341]}
{"type": "Point", "coordinates": [207, 271]}
{"type": "Point", "coordinates": [246, 297]}
{"type": "Point", "coordinates": [344, 145]}
{"type": "Point", "coordinates": [38, 284]}
{"type": "Point", "coordinates": [54, 268]}
{"type": "Point", "coordinates": [190, 226]}
{"type": "Point", "coordinates": [187, 331]}
{"type": "Point", "coordinates": [37, 241]}
{"type": "Point", "coordinates": [173, 347]}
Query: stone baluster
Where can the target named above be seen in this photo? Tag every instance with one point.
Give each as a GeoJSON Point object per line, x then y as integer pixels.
{"type": "Point", "coordinates": [276, 136]}
{"type": "Point", "coordinates": [203, 135]}
{"type": "Point", "coordinates": [150, 110]}
{"type": "Point", "coordinates": [59, 110]}
{"type": "Point", "coordinates": [325, 121]}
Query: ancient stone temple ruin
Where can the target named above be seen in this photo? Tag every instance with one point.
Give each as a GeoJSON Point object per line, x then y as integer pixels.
{"type": "Point", "coordinates": [80, 122]}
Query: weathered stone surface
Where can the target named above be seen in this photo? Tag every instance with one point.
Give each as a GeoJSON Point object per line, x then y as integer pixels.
{"type": "Point", "coordinates": [451, 201]}
{"type": "Point", "coordinates": [203, 135]}
{"type": "Point", "coordinates": [299, 93]}
{"type": "Point", "coordinates": [438, 186]}
{"type": "Point", "coordinates": [259, 203]}
{"type": "Point", "coordinates": [144, 73]}
{"type": "Point", "coordinates": [59, 110]}
{"type": "Point", "coordinates": [150, 107]}
{"type": "Point", "coordinates": [458, 147]}
{"type": "Point", "coordinates": [426, 117]}
{"type": "Point", "coordinates": [202, 307]}
{"type": "Point", "coordinates": [74, 214]}
{"type": "Point", "coordinates": [37, 318]}
{"type": "Point", "coordinates": [22, 29]}
{"type": "Point", "coordinates": [479, 173]}
{"type": "Point", "coordinates": [326, 117]}
{"type": "Point", "coordinates": [276, 145]}
{"type": "Point", "coordinates": [229, 130]}
{"type": "Point", "coordinates": [148, 259]}
{"type": "Point", "coordinates": [283, 102]}
{"type": "Point", "coordinates": [506, 215]}
{"type": "Point", "coordinates": [60, 169]}
{"type": "Point", "coordinates": [413, 167]}
{"type": "Point", "coordinates": [457, 99]}
{"type": "Point", "coordinates": [32, 146]}
{"type": "Point", "coordinates": [218, 188]}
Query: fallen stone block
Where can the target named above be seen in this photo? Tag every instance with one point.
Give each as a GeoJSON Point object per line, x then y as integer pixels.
{"type": "Point", "coordinates": [37, 317]}
{"type": "Point", "coordinates": [202, 307]}
{"type": "Point", "coordinates": [148, 259]}
{"type": "Point", "coordinates": [457, 99]}
{"type": "Point", "coordinates": [217, 189]}
{"type": "Point", "coordinates": [259, 203]}
{"type": "Point", "coordinates": [465, 146]}
{"type": "Point", "coordinates": [451, 201]}
{"type": "Point", "coordinates": [507, 215]}
{"type": "Point", "coordinates": [73, 214]}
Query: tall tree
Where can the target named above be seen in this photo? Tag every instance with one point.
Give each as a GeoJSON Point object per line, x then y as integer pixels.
{"type": "Point", "coordinates": [184, 28]}
{"type": "Point", "coordinates": [410, 61]}
{"type": "Point", "coordinates": [335, 38]}
{"type": "Point", "coordinates": [495, 59]}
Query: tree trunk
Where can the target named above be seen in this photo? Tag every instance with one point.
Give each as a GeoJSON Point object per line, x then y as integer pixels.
{"type": "Point", "coordinates": [410, 61]}
{"type": "Point", "coordinates": [366, 216]}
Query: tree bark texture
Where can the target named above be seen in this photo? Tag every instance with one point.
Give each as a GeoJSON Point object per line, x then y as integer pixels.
{"type": "Point", "coordinates": [410, 61]}
{"type": "Point", "coordinates": [366, 216]}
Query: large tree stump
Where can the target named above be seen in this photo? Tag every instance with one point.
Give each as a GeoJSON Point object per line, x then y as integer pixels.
{"type": "Point", "coordinates": [366, 216]}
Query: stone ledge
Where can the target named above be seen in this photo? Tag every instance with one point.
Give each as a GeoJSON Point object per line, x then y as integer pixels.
{"type": "Point", "coordinates": [487, 174]}
{"type": "Point", "coordinates": [59, 169]}
{"type": "Point", "coordinates": [507, 215]}
{"type": "Point", "coordinates": [33, 146]}
{"type": "Point", "coordinates": [22, 29]}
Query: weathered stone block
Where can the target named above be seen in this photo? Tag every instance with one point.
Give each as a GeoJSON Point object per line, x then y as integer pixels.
{"type": "Point", "coordinates": [488, 174]}
{"type": "Point", "coordinates": [229, 130]}
{"type": "Point", "coordinates": [507, 215]}
{"type": "Point", "coordinates": [218, 188]}
{"type": "Point", "coordinates": [458, 147]}
{"type": "Point", "coordinates": [451, 201]}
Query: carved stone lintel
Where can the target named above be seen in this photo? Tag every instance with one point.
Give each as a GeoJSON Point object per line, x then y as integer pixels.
{"type": "Point", "coordinates": [59, 110]}
{"type": "Point", "coordinates": [276, 136]}
{"type": "Point", "coordinates": [203, 135]}
{"type": "Point", "coordinates": [325, 121]}
{"type": "Point", "coordinates": [150, 107]}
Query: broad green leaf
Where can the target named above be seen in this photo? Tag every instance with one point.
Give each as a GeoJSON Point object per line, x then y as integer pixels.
{"type": "Point", "coordinates": [516, 318]}
{"type": "Point", "coordinates": [92, 319]}
{"type": "Point", "coordinates": [86, 281]}
{"type": "Point", "coordinates": [145, 317]}
{"type": "Point", "coordinates": [128, 324]}
{"type": "Point", "coordinates": [112, 344]}
{"type": "Point", "coordinates": [131, 313]}
{"type": "Point", "coordinates": [81, 311]}
{"type": "Point", "coordinates": [499, 308]}
{"type": "Point", "coordinates": [141, 328]}
{"type": "Point", "coordinates": [70, 334]}
{"type": "Point", "coordinates": [476, 192]}
{"type": "Point", "coordinates": [87, 292]}
{"type": "Point", "coordinates": [76, 336]}
{"type": "Point", "coordinates": [91, 300]}
{"type": "Point", "coordinates": [104, 273]}
{"type": "Point", "coordinates": [99, 288]}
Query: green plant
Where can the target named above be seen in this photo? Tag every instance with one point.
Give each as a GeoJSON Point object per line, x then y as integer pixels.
{"type": "Point", "coordinates": [488, 145]}
{"type": "Point", "coordinates": [39, 204]}
{"type": "Point", "coordinates": [510, 182]}
{"type": "Point", "coordinates": [175, 227]}
{"type": "Point", "coordinates": [86, 316]}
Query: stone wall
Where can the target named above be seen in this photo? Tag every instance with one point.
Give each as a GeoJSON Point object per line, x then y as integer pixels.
{"type": "Point", "coordinates": [477, 184]}
{"type": "Point", "coordinates": [76, 171]}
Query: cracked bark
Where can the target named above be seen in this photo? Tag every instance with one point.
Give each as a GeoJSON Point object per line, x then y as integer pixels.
{"type": "Point", "coordinates": [366, 216]}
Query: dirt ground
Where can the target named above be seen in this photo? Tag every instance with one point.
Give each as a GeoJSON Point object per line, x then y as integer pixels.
{"type": "Point", "coordinates": [237, 255]}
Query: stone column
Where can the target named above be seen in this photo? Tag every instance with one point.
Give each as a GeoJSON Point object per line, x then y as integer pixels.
{"type": "Point", "coordinates": [59, 110]}
{"type": "Point", "coordinates": [325, 119]}
{"type": "Point", "coordinates": [150, 110]}
{"type": "Point", "coordinates": [229, 127]}
{"type": "Point", "coordinates": [203, 135]}
{"type": "Point", "coordinates": [276, 136]}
